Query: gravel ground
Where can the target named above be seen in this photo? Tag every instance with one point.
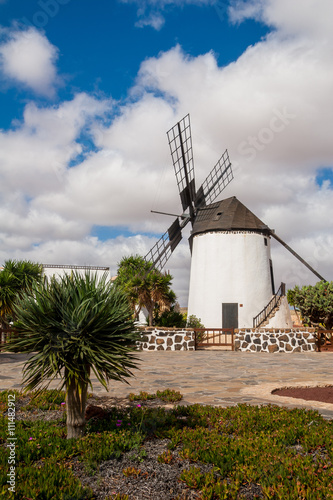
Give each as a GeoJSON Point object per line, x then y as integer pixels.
{"type": "Point", "coordinates": [146, 478]}
{"type": "Point", "coordinates": [152, 480]}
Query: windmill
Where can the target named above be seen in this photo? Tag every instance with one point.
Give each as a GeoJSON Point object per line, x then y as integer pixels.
{"type": "Point", "coordinates": [231, 281]}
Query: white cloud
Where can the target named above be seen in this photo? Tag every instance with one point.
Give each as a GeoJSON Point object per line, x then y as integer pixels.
{"type": "Point", "coordinates": [150, 12]}
{"type": "Point", "coordinates": [34, 159]}
{"type": "Point", "coordinates": [155, 20]}
{"type": "Point", "coordinates": [308, 18]}
{"type": "Point", "coordinates": [272, 108]}
{"type": "Point", "coordinates": [28, 58]}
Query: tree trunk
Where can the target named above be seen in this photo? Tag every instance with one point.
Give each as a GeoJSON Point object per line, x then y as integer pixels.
{"type": "Point", "coordinates": [76, 400]}
{"type": "Point", "coordinates": [150, 316]}
{"type": "Point", "coordinates": [3, 330]}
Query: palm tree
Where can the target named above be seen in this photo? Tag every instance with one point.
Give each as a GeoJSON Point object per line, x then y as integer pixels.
{"type": "Point", "coordinates": [16, 278]}
{"type": "Point", "coordinates": [144, 286]}
{"type": "Point", "coordinates": [153, 291]}
{"type": "Point", "coordinates": [26, 272]}
{"type": "Point", "coordinates": [8, 294]}
{"type": "Point", "coordinates": [75, 326]}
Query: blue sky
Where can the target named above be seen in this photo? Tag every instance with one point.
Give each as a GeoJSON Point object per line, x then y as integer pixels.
{"type": "Point", "coordinates": [89, 89]}
{"type": "Point", "coordinates": [101, 47]}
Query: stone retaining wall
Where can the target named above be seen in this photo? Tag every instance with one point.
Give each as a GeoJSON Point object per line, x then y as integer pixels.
{"type": "Point", "coordinates": [275, 340]}
{"type": "Point", "coordinates": [167, 339]}
{"type": "Point", "coordinates": [246, 339]}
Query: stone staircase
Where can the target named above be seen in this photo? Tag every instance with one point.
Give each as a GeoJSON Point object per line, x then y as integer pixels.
{"type": "Point", "coordinates": [271, 314]}
{"type": "Point", "coordinates": [262, 319]}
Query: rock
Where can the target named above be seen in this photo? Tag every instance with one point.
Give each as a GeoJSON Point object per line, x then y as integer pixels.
{"type": "Point", "coordinates": [93, 411]}
{"type": "Point", "coordinates": [273, 348]}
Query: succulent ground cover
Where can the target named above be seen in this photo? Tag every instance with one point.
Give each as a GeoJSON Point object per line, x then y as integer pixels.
{"type": "Point", "coordinates": [142, 450]}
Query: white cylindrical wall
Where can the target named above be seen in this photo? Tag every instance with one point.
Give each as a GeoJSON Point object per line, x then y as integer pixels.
{"type": "Point", "coordinates": [282, 317]}
{"type": "Point", "coordinates": [229, 267]}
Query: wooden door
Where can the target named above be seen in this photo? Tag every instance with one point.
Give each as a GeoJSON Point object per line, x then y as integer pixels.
{"type": "Point", "coordinates": [230, 315]}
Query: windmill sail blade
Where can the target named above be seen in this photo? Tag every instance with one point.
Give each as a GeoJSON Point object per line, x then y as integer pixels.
{"type": "Point", "coordinates": [180, 142]}
{"type": "Point", "coordinates": [162, 250]}
{"type": "Point", "coordinates": [216, 181]}
{"type": "Point", "coordinates": [296, 255]}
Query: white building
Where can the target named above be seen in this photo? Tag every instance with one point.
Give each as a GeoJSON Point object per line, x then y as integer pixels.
{"type": "Point", "coordinates": [60, 270]}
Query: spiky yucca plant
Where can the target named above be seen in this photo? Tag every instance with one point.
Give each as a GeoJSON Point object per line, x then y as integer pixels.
{"type": "Point", "coordinates": [75, 325]}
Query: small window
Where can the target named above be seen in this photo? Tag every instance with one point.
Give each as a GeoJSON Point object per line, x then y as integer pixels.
{"type": "Point", "coordinates": [265, 240]}
{"type": "Point", "coordinates": [218, 215]}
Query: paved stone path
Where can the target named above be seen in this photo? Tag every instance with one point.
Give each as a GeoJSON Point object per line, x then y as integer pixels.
{"type": "Point", "coordinates": [220, 378]}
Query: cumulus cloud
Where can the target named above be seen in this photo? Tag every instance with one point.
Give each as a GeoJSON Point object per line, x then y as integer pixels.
{"type": "Point", "coordinates": [29, 59]}
{"type": "Point", "coordinates": [34, 161]}
{"type": "Point", "coordinates": [272, 108]}
{"type": "Point", "coordinates": [309, 18]}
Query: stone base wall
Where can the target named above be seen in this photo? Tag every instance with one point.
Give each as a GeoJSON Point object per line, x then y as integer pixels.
{"type": "Point", "coordinates": [167, 339]}
{"type": "Point", "coordinates": [275, 340]}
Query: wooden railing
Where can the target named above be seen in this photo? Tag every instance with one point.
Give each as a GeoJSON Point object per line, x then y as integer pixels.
{"type": "Point", "coordinates": [4, 334]}
{"type": "Point", "coordinates": [212, 337]}
{"type": "Point", "coordinates": [263, 315]}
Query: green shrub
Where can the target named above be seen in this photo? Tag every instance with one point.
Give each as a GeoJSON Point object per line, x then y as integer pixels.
{"type": "Point", "coordinates": [171, 319]}
{"type": "Point", "coordinates": [286, 454]}
{"type": "Point", "coordinates": [142, 396]}
{"type": "Point", "coordinates": [194, 322]}
{"type": "Point", "coordinates": [169, 395]}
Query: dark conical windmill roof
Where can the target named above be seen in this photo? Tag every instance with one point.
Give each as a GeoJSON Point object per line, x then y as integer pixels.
{"type": "Point", "coordinates": [227, 215]}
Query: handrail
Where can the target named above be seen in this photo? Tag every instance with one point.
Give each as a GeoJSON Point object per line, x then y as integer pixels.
{"type": "Point", "coordinates": [263, 315]}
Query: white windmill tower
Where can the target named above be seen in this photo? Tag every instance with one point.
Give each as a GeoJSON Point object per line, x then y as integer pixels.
{"type": "Point", "coordinates": [231, 282]}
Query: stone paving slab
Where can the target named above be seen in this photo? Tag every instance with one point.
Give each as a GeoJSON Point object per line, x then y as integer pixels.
{"type": "Point", "coordinates": [219, 378]}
